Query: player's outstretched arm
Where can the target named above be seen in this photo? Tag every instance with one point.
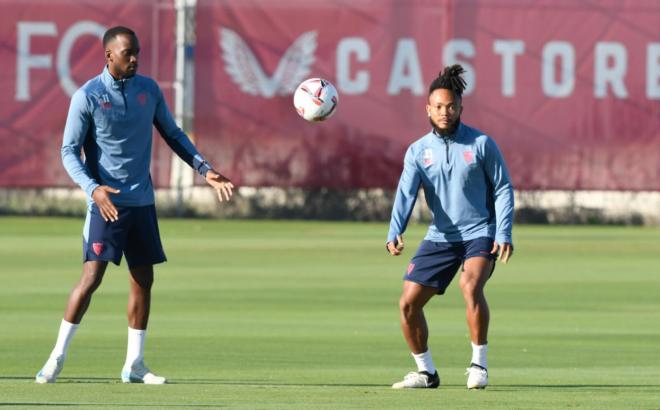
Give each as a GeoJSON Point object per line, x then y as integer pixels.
{"type": "Point", "coordinates": [221, 184]}
{"type": "Point", "coordinates": [395, 247]}
{"type": "Point", "coordinates": [505, 249]}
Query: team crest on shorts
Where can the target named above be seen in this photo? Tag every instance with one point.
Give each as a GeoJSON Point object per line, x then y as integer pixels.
{"type": "Point", "coordinates": [411, 266]}
{"type": "Point", "coordinates": [427, 157]}
{"type": "Point", "coordinates": [98, 248]}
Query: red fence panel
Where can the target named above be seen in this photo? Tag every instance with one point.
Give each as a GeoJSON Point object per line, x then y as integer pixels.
{"type": "Point", "coordinates": [50, 48]}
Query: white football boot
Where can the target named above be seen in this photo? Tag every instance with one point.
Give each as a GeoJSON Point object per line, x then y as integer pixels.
{"type": "Point", "coordinates": [418, 380]}
{"type": "Point", "coordinates": [477, 377]}
{"type": "Point", "coordinates": [139, 373]}
{"type": "Point", "coordinates": [50, 371]}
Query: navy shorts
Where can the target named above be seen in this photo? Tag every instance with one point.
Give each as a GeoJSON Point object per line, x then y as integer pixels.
{"type": "Point", "coordinates": [135, 234]}
{"type": "Point", "coordinates": [435, 264]}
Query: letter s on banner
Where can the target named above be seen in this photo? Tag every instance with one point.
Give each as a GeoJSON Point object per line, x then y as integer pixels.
{"type": "Point", "coordinates": [450, 54]}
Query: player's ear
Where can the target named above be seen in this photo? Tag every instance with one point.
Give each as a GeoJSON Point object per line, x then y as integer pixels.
{"type": "Point", "coordinates": [428, 110]}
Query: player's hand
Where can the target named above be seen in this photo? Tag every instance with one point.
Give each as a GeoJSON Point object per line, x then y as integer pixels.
{"type": "Point", "coordinates": [395, 247]}
{"type": "Point", "coordinates": [101, 197]}
{"type": "Point", "coordinates": [505, 250]}
{"type": "Point", "coordinates": [222, 185]}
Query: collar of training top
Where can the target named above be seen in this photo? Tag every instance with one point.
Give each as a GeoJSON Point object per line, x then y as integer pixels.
{"type": "Point", "coordinates": [109, 80]}
{"type": "Point", "coordinates": [450, 136]}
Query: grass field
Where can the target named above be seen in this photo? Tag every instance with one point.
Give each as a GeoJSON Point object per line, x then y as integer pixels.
{"type": "Point", "coordinates": [275, 314]}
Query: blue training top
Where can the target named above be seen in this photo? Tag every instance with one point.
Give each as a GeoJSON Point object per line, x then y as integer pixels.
{"type": "Point", "coordinates": [111, 121]}
{"type": "Point", "coordinates": [466, 185]}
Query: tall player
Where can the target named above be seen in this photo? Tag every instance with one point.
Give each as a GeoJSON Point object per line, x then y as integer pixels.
{"type": "Point", "coordinates": [111, 119]}
{"type": "Point", "coordinates": [467, 188]}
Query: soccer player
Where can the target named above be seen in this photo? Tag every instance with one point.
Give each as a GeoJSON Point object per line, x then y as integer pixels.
{"type": "Point", "coordinates": [110, 119]}
{"type": "Point", "coordinates": [467, 188]}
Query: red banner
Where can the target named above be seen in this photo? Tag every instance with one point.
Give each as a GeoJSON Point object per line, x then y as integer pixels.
{"type": "Point", "coordinates": [569, 90]}
{"type": "Point", "coordinates": [49, 50]}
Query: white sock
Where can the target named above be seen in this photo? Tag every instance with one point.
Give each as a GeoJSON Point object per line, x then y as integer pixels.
{"type": "Point", "coordinates": [424, 362]}
{"type": "Point", "coordinates": [479, 355]}
{"type": "Point", "coordinates": [67, 330]}
{"type": "Point", "coordinates": [135, 346]}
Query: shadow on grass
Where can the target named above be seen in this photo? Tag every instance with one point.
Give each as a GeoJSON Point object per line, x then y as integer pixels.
{"type": "Point", "coordinates": [228, 382]}
{"type": "Point", "coordinates": [573, 386]}
{"type": "Point", "coordinates": [266, 383]}
{"type": "Point", "coordinates": [272, 383]}
{"type": "Point", "coordinates": [112, 405]}
{"type": "Point", "coordinates": [499, 387]}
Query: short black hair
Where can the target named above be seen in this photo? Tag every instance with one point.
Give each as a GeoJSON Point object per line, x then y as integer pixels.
{"type": "Point", "coordinates": [450, 79]}
{"type": "Point", "coordinates": [113, 32]}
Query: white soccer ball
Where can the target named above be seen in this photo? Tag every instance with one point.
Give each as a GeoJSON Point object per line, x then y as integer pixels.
{"type": "Point", "coordinates": [316, 99]}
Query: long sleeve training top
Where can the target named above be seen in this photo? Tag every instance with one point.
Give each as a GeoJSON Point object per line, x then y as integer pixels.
{"type": "Point", "coordinates": [466, 185]}
{"type": "Point", "coordinates": [111, 122]}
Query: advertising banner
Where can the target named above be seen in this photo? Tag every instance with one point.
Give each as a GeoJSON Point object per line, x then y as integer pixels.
{"type": "Point", "coordinates": [50, 49]}
{"type": "Point", "coordinates": [569, 90]}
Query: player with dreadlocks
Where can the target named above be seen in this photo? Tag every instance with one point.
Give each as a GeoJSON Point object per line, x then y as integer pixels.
{"type": "Point", "coordinates": [467, 188]}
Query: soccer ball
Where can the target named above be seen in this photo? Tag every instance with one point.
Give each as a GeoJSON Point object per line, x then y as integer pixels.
{"type": "Point", "coordinates": [315, 99]}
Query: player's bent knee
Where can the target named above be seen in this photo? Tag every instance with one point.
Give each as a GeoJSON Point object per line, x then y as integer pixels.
{"type": "Point", "coordinates": [471, 288]}
{"type": "Point", "coordinates": [142, 276]}
{"type": "Point", "coordinates": [142, 284]}
{"type": "Point", "coordinates": [87, 286]}
{"type": "Point", "coordinates": [408, 309]}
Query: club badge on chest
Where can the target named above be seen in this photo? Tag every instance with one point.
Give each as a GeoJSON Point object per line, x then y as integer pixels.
{"type": "Point", "coordinates": [427, 157]}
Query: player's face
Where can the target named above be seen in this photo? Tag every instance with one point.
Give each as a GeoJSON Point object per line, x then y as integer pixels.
{"type": "Point", "coordinates": [121, 55]}
{"type": "Point", "coordinates": [444, 109]}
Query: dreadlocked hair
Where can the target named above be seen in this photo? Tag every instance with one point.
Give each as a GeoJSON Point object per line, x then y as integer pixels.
{"type": "Point", "coordinates": [450, 79]}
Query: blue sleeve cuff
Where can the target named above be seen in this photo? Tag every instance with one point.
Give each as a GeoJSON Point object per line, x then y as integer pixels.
{"type": "Point", "coordinates": [89, 190]}
{"type": "Point", "coordinates": [201, 165]}
{"type": "Point", "coordinates": [204, 168]}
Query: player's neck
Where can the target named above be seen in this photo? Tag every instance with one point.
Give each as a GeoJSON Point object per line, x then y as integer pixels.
{"type": "Point", "coordinates": [449, 133]}
{"type": "Point", "coordinates": [116, 76]}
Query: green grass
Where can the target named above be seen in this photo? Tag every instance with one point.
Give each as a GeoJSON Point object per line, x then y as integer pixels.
{"type": "Point", "coordinates": [275, 314]}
